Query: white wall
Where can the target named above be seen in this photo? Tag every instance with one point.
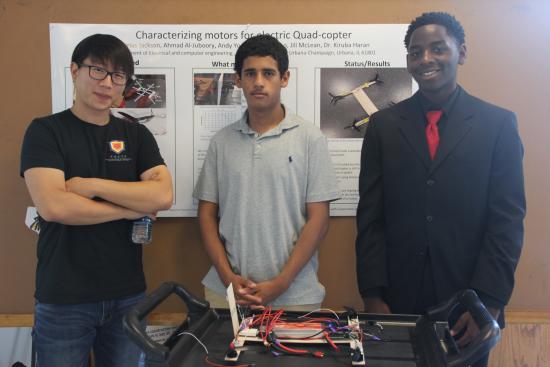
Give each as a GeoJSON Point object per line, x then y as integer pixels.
{"type": "Point", "coordinates": [15, 346]}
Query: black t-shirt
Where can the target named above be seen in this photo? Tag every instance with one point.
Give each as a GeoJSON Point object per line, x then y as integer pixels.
{"type": "Point", "coordinates": [88, 263]}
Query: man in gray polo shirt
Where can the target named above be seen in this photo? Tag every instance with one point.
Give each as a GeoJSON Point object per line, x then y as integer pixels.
{"type": "Point", "coordinates": [269, 178]}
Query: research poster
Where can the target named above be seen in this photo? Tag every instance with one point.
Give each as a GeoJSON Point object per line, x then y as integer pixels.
{"type": "Point", "coordinates": [185, 91]}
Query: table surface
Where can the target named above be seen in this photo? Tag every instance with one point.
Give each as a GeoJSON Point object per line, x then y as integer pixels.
{"type": "Point", "coordinates": [399, 347]}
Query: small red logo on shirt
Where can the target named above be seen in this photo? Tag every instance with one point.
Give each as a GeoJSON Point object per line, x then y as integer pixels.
{"type": "Point", "coordinates": [117, 146]}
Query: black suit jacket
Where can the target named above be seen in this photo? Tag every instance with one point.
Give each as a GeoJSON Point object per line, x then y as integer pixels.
{"type": "Point", "coordinates": [466, 207]}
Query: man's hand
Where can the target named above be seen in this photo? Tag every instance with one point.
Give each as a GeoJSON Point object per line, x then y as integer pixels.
{"type": "Point", "coordinates": [80, 186]}
{"type": "Point", "coordinates": [267, 291]}
{"type": "Point", "coordinates": [467, 323]}
{"type": "Point", "coordinates": [152, 193]}
{"type": "Point", "coordinates": [376, 305]}
{"type": "Point", "coordinates": [84, 187]}
{"type": "Point", "coordinates": [56, 203]}
{"type": "Point", "coordinates": [243, 289]}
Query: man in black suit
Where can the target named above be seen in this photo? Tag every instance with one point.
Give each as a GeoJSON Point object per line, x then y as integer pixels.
{"type": "Point", "coordinates": [441, 189]}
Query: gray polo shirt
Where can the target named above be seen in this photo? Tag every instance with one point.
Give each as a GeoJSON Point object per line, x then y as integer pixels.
{"type": "Point", "coordinates": [262, 184]}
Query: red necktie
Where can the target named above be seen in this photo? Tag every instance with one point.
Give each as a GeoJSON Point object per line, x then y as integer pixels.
{"type": "Point", "coordinates": [432, 133]}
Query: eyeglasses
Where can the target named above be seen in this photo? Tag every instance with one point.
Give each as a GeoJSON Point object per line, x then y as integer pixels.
{"type": "Point", "coordinates": [98, 73]}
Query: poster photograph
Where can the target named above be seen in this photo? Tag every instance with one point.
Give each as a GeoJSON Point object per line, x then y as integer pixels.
{"type": "Point", "coordinates": [184, 89]}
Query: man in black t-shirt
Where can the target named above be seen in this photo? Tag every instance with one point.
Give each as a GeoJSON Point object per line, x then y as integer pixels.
{"type": "Point", "coordinates": [90, 175]}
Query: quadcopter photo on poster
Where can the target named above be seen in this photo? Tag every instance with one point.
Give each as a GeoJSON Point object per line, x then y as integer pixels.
{"type": "Point", "coordinates": [350, 96]}
{"type": "Point", "coordinates": [144, 102]}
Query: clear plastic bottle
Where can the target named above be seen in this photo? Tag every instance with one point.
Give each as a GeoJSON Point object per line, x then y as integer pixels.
{"type": "Point", "coordinates": [142, 231]}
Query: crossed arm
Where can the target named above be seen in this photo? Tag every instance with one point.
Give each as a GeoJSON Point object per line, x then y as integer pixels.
{"type": "Point", "coordinates": [152, 193]}
{"type": "Point", "coordinates": [247, 291]}
{"type": "Point", "coordinates": [70, 202]}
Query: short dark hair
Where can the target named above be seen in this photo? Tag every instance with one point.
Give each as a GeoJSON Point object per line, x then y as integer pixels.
{"type": "Point", "coordinates": [453, 26]}
{"type": "Point", "coordinates": [105, 48]}
{"type": "Point", "coordinates": [262, 45]}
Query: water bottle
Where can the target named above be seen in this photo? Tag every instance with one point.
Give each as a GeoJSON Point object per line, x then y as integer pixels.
{"type": "Point", "coordinates": [142, 231]}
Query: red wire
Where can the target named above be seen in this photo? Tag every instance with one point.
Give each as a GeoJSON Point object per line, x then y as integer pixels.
{"type": "Point", "coordinates": [270, 324]}
{"type": "Point", "coordinates": [262, 318]}
{"type": "Point", "coordinates": [329, 340]}
{"type": "Point", "coordinates": [268, 321]}
{"type": "Point", "coordinates": [276, 318]}
{"type": "Point", "coordinates": [292, 350]}
{"type": "Point", "coordinates": [317, 354]}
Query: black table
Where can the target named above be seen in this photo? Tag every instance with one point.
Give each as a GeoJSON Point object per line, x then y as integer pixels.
{"type": "Point", "coordinates": [406, 340]}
